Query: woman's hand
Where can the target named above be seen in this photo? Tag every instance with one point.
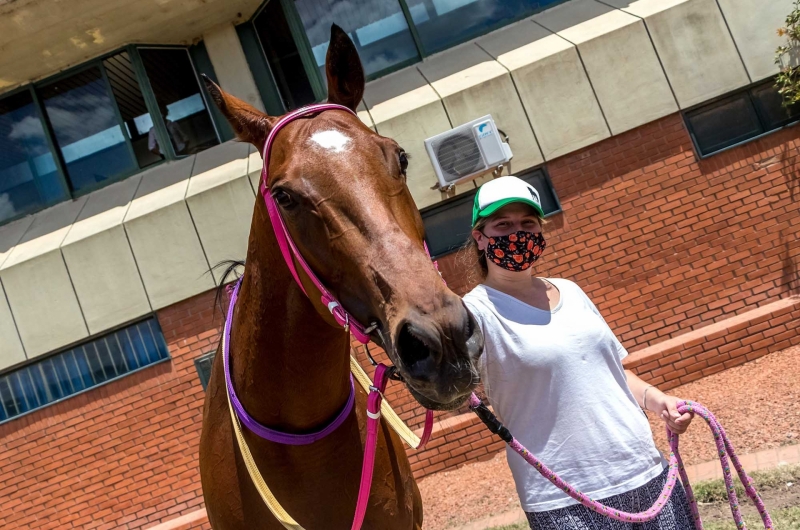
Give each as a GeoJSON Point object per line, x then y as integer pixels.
{"type": "Point", "coordinates": [666, 408]}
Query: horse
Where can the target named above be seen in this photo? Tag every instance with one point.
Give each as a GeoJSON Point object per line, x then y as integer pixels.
{"type": "Point", "coordinates": [341, 190]}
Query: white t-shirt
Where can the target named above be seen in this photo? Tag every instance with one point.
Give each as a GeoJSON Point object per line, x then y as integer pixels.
{"type": "Point", "coordinates": [555, 379]}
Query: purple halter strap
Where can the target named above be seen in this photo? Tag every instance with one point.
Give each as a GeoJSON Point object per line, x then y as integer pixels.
{"type": "Point", "coordinates": [250, 422]}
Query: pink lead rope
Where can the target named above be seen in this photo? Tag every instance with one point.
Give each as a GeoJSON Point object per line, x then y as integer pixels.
{"type": "Point", "coordinates": [724, 449]}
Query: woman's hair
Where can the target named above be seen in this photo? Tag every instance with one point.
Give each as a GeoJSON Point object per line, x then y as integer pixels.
{"type": "Point", "coordinates": [472, 259]}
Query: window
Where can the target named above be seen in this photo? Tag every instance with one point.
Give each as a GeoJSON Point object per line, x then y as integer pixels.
{"type": "Point", "coordinates": [448, 224]}
{"type": "Point", "coordinates": [441, 24]}
{"type": "Point", "coordinates": [378, 28]}
{"type": "Point", "coordinates": [94, 125]}
{"type": "Point", "coordinates": [83, 367]}
{"type": "Point", "coordinates": [29, 177]}
{"type": "Point", "coordinates": [132, 107]}
{"type": "Point", "coordinates": [283, 56]}
{"type": "Point", "coordinates": [203, 365]}
{"type": "Point", "coordinates": [739, 117]}
{"type": "Point", "coordinates": [86, 128]}
{"type": "Point", "coordinates": [769, 105]}
{"type": "Point", "coordinates": [293, 37]}
{"type": "Point", "coordinates": [180, 103]}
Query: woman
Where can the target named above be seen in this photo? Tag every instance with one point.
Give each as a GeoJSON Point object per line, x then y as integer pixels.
{"type": "Point", "coordinates": [552, 370]}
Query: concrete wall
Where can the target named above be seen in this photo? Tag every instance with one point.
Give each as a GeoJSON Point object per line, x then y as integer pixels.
{"type": "Point", "coordinates": [578, 73]}
{"type": "Point", "coordinates": [694, 44]}
{"type": "Point", "coordinates": [86, 266]}
{"type": "Point", "coordinates": [753, 25]}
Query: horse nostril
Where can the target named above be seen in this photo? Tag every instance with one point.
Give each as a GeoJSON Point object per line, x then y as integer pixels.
{"type": "Point", "coordinates": [415, 354]}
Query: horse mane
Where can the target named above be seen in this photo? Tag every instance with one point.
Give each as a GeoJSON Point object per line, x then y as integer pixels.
{"type": "Point", "coordinates": [230, 269]}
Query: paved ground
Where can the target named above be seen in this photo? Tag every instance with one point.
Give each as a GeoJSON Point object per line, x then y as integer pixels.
{"type": "Point", "coordinates": [757, 403]}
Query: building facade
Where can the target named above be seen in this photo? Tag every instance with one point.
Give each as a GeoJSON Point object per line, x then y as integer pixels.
{"type": "Point", "coordinates": [652, 129]}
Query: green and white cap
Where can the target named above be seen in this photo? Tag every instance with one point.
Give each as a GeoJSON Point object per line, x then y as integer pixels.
{"type": "Point", "coordinates": [501, 191]}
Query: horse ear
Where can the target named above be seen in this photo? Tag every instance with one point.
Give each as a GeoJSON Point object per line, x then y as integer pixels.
{"type": "Point", "coordinates": [250, 124]}
{"type": "Point", "coordinates": [344, 71]}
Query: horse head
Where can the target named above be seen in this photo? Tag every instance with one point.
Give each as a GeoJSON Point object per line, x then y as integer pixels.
{"type": "Point", "coordinates": [341, 189]}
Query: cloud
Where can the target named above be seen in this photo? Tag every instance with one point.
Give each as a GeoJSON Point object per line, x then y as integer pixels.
{"type": "Point", "coordinates": [76, 115]}
{"type": "Point", "coordinates": [7, 209]}
{"type": "Point", "coordinates": [27, 128]}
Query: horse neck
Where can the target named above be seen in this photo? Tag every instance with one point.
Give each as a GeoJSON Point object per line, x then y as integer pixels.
{"type": "Point", "coordinates": [290, 368]}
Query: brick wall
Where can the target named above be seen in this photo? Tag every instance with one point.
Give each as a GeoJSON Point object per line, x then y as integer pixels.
{"type": "Point", "coordinates": [123, 455]}
{"type": "Point", "coordinates": [663, 243]}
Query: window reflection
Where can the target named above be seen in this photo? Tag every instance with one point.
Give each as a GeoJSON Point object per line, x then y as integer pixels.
{"type": "Point", "coordinates": [132, 108]}
{"type": "Point", "coordinates": [28, 176]}
{"type": "Point", "coordinates": [283, 57]}
{"type": "Point", "coordinates": [177, 92]}
{"type": "Point", "coordinates": [724, 123]}
{"type": "Point", "coordinates": [378, 29]}
{"type": "Point", "coordinates": [444, 23]}
{"type": "Point", "coordinates": [86, 128]}
{"type": "Point", "coordinates": [769, 103]}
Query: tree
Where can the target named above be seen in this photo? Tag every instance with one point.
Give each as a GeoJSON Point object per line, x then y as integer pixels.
{"type": "Point", "coordinates": [787, 55]}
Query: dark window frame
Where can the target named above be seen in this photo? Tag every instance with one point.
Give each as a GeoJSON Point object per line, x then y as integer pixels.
{"type": "Point", "coordinates": [313, 73]}
{"type": "Point", "coordinates": [150, 102]}
{"type": "Point", "coordinates": [162, 355]}
{"type": "Point", "coordinates": [755, 108]}
{"type": "Point", "coordinates": [469, 197]}
{"type": "Point", "coordinates": [55, 152]}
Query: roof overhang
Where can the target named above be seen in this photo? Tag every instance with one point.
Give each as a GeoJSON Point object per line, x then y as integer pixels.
{"type": "Point", "coordinates": [39, 38]}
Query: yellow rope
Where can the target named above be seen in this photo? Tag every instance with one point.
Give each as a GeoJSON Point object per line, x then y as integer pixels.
{"type": "Point", "coordinates": [399, 426]}
{"type": "Point", "coordinates": [402, 430]}
{"type": "Point", "coordinates": [258, 481]}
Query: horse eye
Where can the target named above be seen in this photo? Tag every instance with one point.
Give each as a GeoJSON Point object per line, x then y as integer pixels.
{"type": "Point", "coordinates": [403, 162]}
{"type": "Point", "coordinates": [283, 199]}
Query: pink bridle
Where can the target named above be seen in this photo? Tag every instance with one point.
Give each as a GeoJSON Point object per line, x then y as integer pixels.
{"type": "Point", "coordinates": [285, 242]}
{"type": "Point", "coordinates": [343, 318]}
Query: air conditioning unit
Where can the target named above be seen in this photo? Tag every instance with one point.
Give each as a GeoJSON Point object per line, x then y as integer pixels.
{"type": "Point", "coordinates": [467, 152]}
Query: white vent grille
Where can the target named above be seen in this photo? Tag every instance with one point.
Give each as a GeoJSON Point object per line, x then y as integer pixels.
{"type": "Point", "coordinates": [458, 155]}
{"type": "Point", "coordinates": [466, 152]}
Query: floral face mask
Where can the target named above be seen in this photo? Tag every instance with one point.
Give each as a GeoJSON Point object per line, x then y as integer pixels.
{"type": "Point", "coordinates": [517, 251]}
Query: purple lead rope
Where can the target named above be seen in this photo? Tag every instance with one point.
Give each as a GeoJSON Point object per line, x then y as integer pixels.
{"type": "Point", "coordinates": [724, 449]}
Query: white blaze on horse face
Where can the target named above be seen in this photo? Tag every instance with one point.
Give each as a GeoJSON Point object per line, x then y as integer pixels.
{"type": "Point", "coordinates": [331, 140]}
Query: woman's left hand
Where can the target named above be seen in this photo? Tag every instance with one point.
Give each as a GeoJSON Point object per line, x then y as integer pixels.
{"type": "Point", "coordinates": [666, 407]}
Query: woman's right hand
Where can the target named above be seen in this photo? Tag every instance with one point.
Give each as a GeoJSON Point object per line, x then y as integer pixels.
{"type": "Point", "coordinates": [666, 407]}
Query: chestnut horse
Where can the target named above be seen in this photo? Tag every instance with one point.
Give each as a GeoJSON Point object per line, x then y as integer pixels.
{"type": "Point", "coordinates": [341, 189]}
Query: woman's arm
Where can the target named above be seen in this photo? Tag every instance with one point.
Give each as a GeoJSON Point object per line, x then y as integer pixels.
{"type": "Point", "coordinates": [652, 399]}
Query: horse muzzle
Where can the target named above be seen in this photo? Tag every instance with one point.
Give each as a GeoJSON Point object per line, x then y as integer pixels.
{"type": "Point", "coordinates": [437, 358]}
